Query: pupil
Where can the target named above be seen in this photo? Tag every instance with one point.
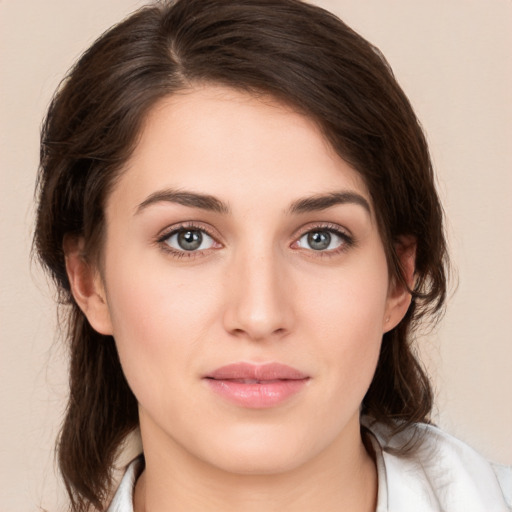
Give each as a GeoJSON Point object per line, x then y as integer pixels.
{"type": "Point", "coordinates": [190, 240]}
{"type": "Point", "coordinates": [319, 240]}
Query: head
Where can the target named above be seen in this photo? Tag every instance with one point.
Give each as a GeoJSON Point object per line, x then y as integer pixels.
{"type": "Point", "coordinates": [278, 58]}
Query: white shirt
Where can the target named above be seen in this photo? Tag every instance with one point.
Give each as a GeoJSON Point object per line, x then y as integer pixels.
{"type": "Point", "coordinates": [441, 474]}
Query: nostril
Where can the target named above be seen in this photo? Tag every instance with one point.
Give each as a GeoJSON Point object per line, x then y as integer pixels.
{"type": "Point", "coordinates": [258, 334]}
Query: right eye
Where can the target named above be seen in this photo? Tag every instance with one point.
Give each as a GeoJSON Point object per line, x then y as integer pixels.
{"type": "Point", "coordinates": [189, 240]}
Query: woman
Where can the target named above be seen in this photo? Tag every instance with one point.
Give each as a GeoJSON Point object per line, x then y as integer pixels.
{"type": "Point", "coordinates": [236, 201]}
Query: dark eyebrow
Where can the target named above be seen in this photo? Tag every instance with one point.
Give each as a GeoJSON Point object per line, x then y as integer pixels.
{"type": "Point", "coordinates": [185, 198]}
{"type": "Point", "coordinates": [324, 201]}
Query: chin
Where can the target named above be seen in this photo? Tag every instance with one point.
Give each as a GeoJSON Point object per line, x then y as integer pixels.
{"type": "Point", "coordinates": [260, 452]}
{"type": "Point", "coordinates": [257, 462]}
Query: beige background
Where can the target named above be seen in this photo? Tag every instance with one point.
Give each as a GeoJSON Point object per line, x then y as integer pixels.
{"type": "Point", "coordinates": [453, 58]}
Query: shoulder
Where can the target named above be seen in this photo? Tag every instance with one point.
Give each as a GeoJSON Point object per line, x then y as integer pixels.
{"type": "Point", "coordinates": [437, 473]}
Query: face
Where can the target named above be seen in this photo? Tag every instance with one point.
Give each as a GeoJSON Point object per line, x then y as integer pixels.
{"type": "Point", "coordinates": [245, 284]}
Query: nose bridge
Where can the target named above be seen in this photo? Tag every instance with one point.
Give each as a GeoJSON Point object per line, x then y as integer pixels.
{"type": "Point", "coordinates": [258, 304]}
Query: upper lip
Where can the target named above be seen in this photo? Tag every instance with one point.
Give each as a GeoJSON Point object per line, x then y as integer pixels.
{"type": "Point", "coordinates": [258, 372]}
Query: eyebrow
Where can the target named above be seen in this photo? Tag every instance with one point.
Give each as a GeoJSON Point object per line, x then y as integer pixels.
{"type": "Point", "coordinates": [323, 201]}
{"type": "Point", "coordinates": [185, 198]}
{"type": "Point", "coordinates": [211, 203]}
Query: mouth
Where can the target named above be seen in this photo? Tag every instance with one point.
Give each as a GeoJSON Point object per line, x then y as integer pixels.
{"type": "Point", "coordinates": [256, 386]}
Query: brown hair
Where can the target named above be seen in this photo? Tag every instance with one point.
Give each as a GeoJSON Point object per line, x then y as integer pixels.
{"type": "Point", "coordinates": [296, 52]}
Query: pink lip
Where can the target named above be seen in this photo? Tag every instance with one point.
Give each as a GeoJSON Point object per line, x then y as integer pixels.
{"type": "Point", "coordinates": [256, 386]}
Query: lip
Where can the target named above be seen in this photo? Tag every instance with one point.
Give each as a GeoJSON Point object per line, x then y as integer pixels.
{"type": "Point", "coordinates": [256, 386]}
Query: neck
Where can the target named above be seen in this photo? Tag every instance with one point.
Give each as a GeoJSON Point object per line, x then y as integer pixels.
{"type": "Point", "coordinates": [341, 477]}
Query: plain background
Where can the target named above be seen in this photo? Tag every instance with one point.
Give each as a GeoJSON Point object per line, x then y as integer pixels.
{"type": "Point", "coordinates": [453, 60]}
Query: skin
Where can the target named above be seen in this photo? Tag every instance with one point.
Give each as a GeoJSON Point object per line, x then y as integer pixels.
{"type": "Point", "coordinates": [255, 291]}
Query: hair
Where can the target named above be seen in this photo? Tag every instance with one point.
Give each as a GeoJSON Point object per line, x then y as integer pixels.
{"type": "Point", "coordinates": [297, 53]}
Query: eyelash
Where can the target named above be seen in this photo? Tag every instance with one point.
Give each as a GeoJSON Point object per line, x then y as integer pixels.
{"type": "Point", "coordinates": [186, 226]}
{"type": "Point", "coordinates": [347, 240]}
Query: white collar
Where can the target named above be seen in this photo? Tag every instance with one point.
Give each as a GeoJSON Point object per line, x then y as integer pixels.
{"type": "Point", "coordinates": [440, 474]}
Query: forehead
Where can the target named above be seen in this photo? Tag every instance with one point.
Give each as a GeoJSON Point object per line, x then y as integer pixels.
{"type": "Point", "coordinates": [236, 146]}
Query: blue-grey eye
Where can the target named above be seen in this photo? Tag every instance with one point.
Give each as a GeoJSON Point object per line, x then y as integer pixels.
{"type": "Point", "coordinates": [190, 240]}
{"type": "Point", "coordinates": [320, 240]}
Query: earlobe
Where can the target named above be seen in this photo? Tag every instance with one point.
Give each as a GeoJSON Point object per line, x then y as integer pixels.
{"type": "Point", "coordinates": [399, 296]}
{"type": "Point", "coordinates": [86, 285]}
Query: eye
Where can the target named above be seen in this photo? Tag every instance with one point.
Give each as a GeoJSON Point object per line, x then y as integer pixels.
{"type": "Point", "coordinates": [189, 240]}
{"type": "Point", "coordinates": [323, 240]}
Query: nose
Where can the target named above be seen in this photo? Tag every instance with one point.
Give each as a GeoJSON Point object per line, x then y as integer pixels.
{"type": "Point", "coordinates": [259, 297]}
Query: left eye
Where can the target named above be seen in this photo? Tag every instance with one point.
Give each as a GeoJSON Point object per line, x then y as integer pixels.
{"type": "Point", "coordinates": [321, 240]}
{"type": "Point", "coordinates": [190, 240]}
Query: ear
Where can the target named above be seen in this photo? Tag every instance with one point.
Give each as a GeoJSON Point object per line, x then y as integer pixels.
{"type": "Point", "coordinates": [399, 297]}
{"type": "Point", "coordinates": [86, 285]}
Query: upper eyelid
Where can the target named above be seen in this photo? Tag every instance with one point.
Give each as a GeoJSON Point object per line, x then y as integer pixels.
{"type": "Point", "coordinates": [167, 232]}
{"type": "Point", "coordinates": [327, 226]}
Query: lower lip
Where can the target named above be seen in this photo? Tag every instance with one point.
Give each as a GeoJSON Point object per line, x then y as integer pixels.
{"type": "Point", "coordinates": [260, 395]}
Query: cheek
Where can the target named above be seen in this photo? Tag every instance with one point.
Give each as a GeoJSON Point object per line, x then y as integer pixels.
{"type": "Point", "coordinates": [350, 302]}
{"type": "Point", "coordinates": [158, 320]}
{"type": "Point", "coordinates": [149, 297]}
{"type": "Point", "coordinates": [345, 317]}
